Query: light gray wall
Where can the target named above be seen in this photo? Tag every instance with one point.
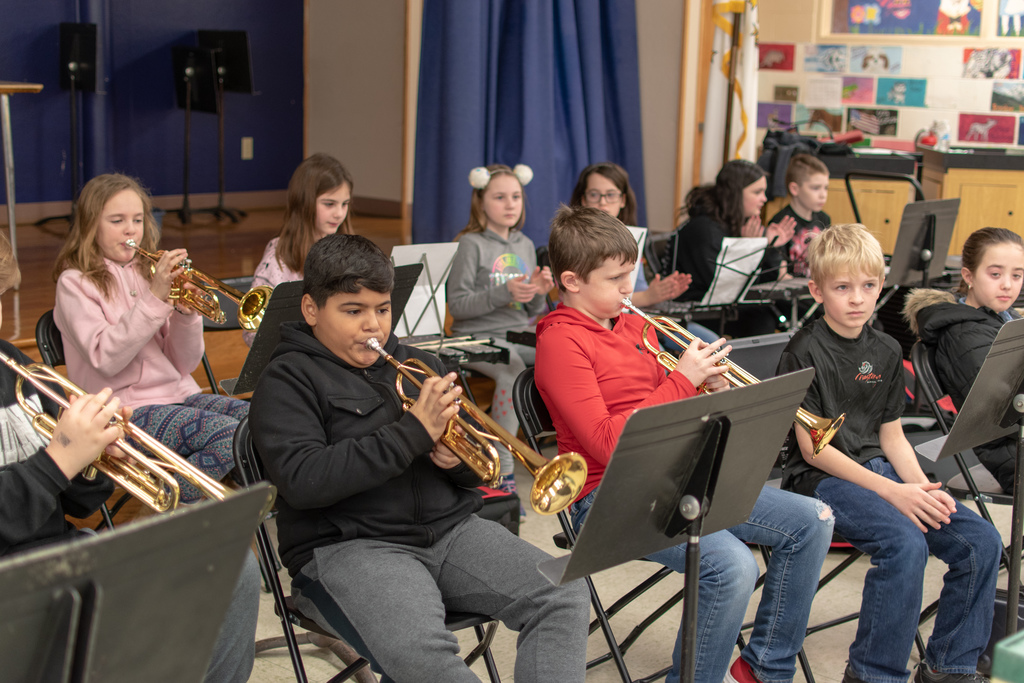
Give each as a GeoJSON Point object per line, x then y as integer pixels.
{"type": "Point", "coordinates": [354, 90]}
{"type": "Point", "coordinates": [659, 38]}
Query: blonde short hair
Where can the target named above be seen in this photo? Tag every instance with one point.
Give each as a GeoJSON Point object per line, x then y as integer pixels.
{"type": "Point", "coordinates": [847, 247]}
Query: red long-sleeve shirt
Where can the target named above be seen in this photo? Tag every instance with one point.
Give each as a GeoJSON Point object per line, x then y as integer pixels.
{"type": "Point", "coordinates": [592, 379]}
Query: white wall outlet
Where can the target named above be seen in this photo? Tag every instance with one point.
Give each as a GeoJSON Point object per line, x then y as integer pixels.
{"type": "Point", "coordinates": [246, 149]}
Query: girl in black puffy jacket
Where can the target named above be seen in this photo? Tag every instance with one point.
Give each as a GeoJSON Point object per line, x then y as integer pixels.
{"type": "Point", "coordinates": [960, 327]}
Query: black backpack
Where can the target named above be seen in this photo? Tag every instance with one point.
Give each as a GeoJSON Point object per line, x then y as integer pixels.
{"type": "Point", "coordinates": [778, 148]}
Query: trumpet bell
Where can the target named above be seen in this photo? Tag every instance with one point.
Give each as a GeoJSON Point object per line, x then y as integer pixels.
{"type": "Point", "coordinates": [558, 483]}
{"type": "Point", "coordinates": [252, 306]}
{"type": "Point", "coordinates": [821, 429]}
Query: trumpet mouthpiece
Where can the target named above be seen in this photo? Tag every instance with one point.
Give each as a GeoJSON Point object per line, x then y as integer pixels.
{"type": "Point", "coordinates": [130, 243]}
{"type": "Point", "coordinates": [373, 344]}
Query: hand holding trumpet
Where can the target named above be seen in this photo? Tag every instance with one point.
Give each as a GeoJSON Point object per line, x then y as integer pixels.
{"type": "Point", "coordinates": [701, 363]}
{"type": "Point", "coordinates": [85, 429]}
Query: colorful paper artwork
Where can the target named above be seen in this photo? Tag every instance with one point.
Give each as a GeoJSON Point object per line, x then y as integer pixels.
{"type": "Point", "coordinates": [1007, 96]}
{"type": "Point", "coordinates": [858, 90]}
{"type": "Point", "coordinates": [873, 59]}
{"type": "Point", "coordinates": [776, 56]}
{"type": "Point", "coordinates": [987, 128]}
{"type": "Point", "coordinates": [825, 58]}
{"type": "Point", "coordinates": [901, 92]}
{"type": "Point", "coordinates": [991, 62]}
{"type": "Point", "coordinates": [811, 120]}
{"type": "Point", "coordinates": [873, 121]}
{"type": "Point", "coordinates": [771, 114]}
{"type": "Point", "coordinates": [919, 17]}
{"type": "Point", "coordinates": [1010, 13]}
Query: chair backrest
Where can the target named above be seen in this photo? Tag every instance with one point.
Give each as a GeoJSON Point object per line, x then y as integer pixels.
{"type": "Point", "coordinates": [928, 382]}
{"type": "Point", "coordinates": [49, 341]}
{"type": "Point", "coordinates": [247, 460]}
{"type": "Point", "coordinates": [530, 409]}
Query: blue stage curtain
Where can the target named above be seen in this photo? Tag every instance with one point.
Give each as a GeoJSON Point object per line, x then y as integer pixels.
{"type": "Point", "coordinates": [550, 83]}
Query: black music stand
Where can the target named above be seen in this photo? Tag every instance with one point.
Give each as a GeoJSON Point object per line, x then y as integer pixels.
{"type": "Point", "coordinates": [926, 230]}
{"type": "Point", "coordinates": [994, 408]}
{"type": "Point", "coordinates": [142, 603]}
{"type": "Point", "coordinates": [195, 86]}
{"type": "Point", "coordinates": [284, 307]}
{"type": "Point", "coordinates": [77, 74]}
{"type": "Point", "coordinates": [234, 74]}
{"type": "Point", "coordinates": [682, 470]}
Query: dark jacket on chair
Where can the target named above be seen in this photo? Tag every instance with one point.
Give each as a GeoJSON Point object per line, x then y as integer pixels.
{"type": "Point", "coordinates": [960, 337]}
{"type": "Point", "coordinates": [34, 493]}
{"type": "Point", "coordinates": [347, 461]}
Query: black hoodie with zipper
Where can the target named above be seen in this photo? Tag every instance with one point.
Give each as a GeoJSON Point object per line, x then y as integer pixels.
{"type": "Point", "coordinates": [348, 462]}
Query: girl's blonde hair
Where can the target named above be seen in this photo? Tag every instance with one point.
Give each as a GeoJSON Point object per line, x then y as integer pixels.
{"type": "Point", "coordinates": [847, 247]}
{"type": "Point", "coordinates": [477, 215]}
{"type": "Point", "coordinates": [317, 175]}
{"type": "Point", "coordinates": [9, 271]}
{"type": "Point", "coordinates": [81, 251]}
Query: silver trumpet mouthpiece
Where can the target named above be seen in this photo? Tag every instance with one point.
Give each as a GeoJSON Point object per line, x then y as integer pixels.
{"type": "Point", "coordinates": [130, 243]}
{"type": "Point", "coordinates": [373, 344]}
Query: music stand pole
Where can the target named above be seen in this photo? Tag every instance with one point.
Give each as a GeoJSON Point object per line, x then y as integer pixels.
{"type": "Point", "coordinates": [72, 77]}
{"type": "Point", "coordinates": [221, 210]}
{"type": "Point", "coordinates": [1016, 525]}
{"type": "Point", "coordinates": [184, 213]}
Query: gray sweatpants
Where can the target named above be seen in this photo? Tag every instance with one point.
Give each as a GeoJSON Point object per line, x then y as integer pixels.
{"type": "Point", "coordinates": [234, 651]}
{"type": "Point", "coordinates": [389, 599]}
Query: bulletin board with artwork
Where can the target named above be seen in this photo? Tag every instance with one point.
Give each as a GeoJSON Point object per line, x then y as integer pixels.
{"type": "Point", "coordinates": [920, 17]}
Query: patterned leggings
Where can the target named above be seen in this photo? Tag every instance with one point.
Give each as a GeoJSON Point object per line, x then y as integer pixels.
{"type": "Point", "coordinates": [201, 429]}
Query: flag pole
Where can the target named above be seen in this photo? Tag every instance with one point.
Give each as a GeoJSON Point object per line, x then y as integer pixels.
{"type": "Point", "coordinates": [737, 18]}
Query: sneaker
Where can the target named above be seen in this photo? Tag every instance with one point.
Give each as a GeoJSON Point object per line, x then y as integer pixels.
{"type": "Point", "coordinates": [740, 672]}
{"type": "Point", "coordinates": [507, 483]}
{"type": "Point", "coordinates": [925, 674]}
{"type": "Point", "coordinates": [850, 677]}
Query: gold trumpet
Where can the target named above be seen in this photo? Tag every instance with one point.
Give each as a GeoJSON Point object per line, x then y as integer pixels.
{"type": "Point", "coordinates": [147, 478]}
{"type": "Point", "coordinates": [203, 299]}
{"type": "Point", "coordinates": [556, 482]}
{"type": "Point", "coordinates": [821, 429]}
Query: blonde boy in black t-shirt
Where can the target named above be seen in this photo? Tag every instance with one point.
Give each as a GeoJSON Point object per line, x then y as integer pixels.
{"type": "Point", "coordinates": [870, 477]}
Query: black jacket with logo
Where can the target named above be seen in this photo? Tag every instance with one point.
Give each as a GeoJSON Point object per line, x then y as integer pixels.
{"type": "Point", "coordinates": [347, 461]}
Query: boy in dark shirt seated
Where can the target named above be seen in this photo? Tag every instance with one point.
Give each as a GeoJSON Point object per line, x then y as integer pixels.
{"type": "Point", "coordinates": [376, 518]}
{"type": "Point", "coordinates": [807, 183]}
{"type": "Point", "coordinates": [869, 475]}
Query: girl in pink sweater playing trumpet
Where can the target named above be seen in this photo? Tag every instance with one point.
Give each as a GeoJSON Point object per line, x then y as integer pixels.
{"type": "Point", "coordinates": [122, 330]}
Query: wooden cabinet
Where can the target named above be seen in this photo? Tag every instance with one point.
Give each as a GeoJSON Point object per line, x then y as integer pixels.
{"type": "Point", "coordinates": [988, 198]}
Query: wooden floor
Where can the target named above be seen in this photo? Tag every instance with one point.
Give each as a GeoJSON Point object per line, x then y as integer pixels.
{"type": "Point", "coordinates": [221, 249]}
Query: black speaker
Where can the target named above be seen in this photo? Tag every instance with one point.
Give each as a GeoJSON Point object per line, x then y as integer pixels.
{"type": "Point", "coordinates": [78, 56]}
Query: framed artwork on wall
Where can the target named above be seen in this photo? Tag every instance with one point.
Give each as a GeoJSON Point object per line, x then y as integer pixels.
{"type": "Point", "coordinates": [926, 18]}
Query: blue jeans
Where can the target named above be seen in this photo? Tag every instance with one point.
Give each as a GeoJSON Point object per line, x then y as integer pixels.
{"type": "Point", "coordinates": [799, 531]}
{"type": "Point", "coordinates": [891, 605]}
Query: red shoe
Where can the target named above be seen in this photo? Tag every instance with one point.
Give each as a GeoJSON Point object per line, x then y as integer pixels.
{"type": "Point", "coordinates": [740, 672]}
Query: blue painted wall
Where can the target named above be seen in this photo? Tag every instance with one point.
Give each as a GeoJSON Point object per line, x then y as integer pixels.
{"type": "Point", "coordinates": [133, 124]}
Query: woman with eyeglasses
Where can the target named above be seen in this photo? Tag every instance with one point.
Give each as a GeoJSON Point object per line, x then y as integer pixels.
{"type": "Point", "coordinates": [605, 186]}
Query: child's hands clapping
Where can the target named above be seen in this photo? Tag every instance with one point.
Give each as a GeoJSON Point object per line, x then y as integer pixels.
{"type": "Point", "coordinates": [164, 272]}
{"type": "Point", "coordinates": [522, 290]}
{"type": "Point", "coordinates": [782, 231]}
{"type": "Point", "coordinates": [542, 279]}
{"type": "Point", "coordinates": [83, 431]}
{"type": "Point", "coordinates": [436, 404]}
{"type": "Point", "coordinates": [697, 363]}
{"type": "Point", "coordinates": [668, 287]}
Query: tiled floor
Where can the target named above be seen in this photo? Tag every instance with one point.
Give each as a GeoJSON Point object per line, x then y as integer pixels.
{"type": "Point", "coordinates": [826, 650]}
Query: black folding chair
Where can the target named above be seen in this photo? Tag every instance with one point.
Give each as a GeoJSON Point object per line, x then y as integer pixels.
{"type": "Point", "coordinates": [536, 421]}
{"type": "Point", "coordinates": [251, 470]}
